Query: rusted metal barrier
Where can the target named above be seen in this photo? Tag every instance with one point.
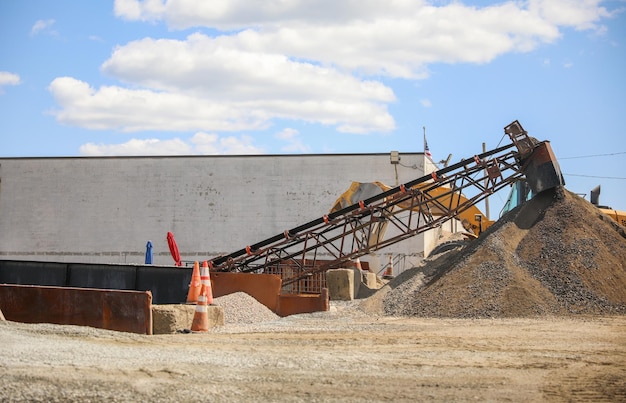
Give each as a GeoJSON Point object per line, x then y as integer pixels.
{"type": "Point", "coordinates": [121, 310]}
{"type": "Point", "coordinates": [263, 287]}
{"type": "Point", "coordinates": [266, 288]}
{"type": "Point", "coordinates": [291, 304]}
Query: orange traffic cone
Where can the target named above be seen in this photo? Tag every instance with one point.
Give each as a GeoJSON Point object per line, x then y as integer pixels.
{"type": "Point", "coordinates": [200, 321]}
{"type": "Point", "coordinates": [206, 281]}
{"type": "Point", "coordinates": [358, 263]}
{"type": "Point", "coordinates": [195, 285]}
{"type": "Point", "coordinates": [389, 270]}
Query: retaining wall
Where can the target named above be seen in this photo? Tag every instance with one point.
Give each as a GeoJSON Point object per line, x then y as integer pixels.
{"type": "Point", "coordinates": [168, 285]}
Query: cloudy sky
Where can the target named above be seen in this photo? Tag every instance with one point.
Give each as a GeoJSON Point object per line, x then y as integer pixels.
{"type": "Point", "coordinates": [166, 77]}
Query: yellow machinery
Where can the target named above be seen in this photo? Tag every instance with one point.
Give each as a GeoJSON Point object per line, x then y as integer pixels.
{"type": "Point", "coordinates": [521, 192]}
{"type": "Point", "coordinates": [619, 216]}
{"type": "Point", "coordinates": [472, 219]}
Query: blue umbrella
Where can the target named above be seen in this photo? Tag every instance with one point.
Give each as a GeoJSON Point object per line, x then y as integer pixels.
{"type": "Point", "coordinates": [149, 252]}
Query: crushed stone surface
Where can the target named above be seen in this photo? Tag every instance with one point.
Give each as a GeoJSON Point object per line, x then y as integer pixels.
{"type": "Point", "coordinates": [240, 307]}
{"type": "Point", "coordinates": [555, 255]}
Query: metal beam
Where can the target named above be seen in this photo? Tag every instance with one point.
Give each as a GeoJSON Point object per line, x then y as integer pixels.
{"type": "Point", "coordinates": [352, 232]}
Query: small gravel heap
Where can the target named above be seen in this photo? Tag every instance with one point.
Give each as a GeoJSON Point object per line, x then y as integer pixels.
{"type": "Point", "coordinates": [241, 308]}
{"type": "Point", "coordinates": [556, 255]}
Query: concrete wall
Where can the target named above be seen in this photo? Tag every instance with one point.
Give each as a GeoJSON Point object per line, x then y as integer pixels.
{"type": "Point", "coordinates": [104, 210]}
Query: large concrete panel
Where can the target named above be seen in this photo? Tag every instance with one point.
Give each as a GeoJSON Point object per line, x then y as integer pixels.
{"type": "Point", "coordinates": [104, 210]}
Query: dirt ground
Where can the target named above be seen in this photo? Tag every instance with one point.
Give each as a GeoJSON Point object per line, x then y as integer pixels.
{"type": "Point", "coordinates": [323, 357]}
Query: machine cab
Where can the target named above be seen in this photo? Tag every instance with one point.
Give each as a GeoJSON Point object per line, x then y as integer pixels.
{"type": "Point", "coordinates": [519, 194]}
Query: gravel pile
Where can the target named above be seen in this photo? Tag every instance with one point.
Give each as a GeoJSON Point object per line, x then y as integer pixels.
{"type": "Point", "coordinates": [241, 308]}
{"type": "Point", "coordinates": [556, 255]}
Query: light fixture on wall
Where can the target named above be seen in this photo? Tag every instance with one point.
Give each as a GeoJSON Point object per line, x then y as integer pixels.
{"type": "Point", "coordinates": [394, 157]}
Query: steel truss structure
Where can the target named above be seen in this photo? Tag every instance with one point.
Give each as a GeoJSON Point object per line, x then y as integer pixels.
{"type": "Point", "coordinates": [356, 230]}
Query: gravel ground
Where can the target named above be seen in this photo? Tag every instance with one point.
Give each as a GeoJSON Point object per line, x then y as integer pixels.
{"type": "Point", "coordinates": [342, 355]}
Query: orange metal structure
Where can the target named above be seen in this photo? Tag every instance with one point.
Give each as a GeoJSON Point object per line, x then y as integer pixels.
{"type": "Point", "coordinates": [411, 208]}
{"type": "Point", "coordinates": [266, 288]}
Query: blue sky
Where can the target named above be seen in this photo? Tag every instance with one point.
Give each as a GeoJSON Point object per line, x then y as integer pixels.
{"type": "Point", "coordinates": [267, 77]}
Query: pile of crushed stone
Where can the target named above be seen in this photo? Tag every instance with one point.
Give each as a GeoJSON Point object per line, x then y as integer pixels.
{"type": "Point", "coordinates": [241, 308]}
{"type": "Point", "coordinates": [555, 255]}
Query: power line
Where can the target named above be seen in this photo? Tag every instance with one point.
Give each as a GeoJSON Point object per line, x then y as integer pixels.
{"type": "Point", "coordinates": [590, 156]}
{"type": "Point", "coordinates": [592, 176]}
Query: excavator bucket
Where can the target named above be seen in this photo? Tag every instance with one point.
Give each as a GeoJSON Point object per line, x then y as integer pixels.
{"type": "Point", "coordinates": [541, 168]}
{"type": "Point", "coordinates": [358, 191]}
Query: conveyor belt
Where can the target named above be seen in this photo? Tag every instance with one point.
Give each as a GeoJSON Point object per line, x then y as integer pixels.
{"type": "Point", "coordinates": [347, 233]}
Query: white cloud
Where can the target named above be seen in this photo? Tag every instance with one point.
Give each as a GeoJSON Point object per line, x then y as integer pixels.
{"type": "Point", "coordinates": [43, 26]}
{"type": "Point", "coordinates": [7, 78]}
{"type": "Point", "coordinates": [146, 10]}
{"type": "Point", "coordinates": [397, 37]}
{"type": "Point", "coordinates": [234, 14]}
{"type": "Point", "coordinates": [118, 108]}
{"type": "Point", "coordinates": [202, 84]}
{"type": "Point", "coordinates": [321, 62]}
{"type": "Point", "coordinates": [200, 144]}
{"type": "Point", "coordinates": [240, 14]}
{"type": "Point", "coordinates": [426, 103]}
{"type": "Point", "coordinates": [219, 67]}
{"type": "Point", "coordinates": [580, 14]}
{"type": "Point", "coordinates": [138, 147]}
{"type": "Point", "coordinates": [129, 10]}
{"type": "Point", "coordinates": [287, 134]}
{"type": "Point", "coordinates": [212, 144]}
{"type": "Point", "coordinates": [292, 138]}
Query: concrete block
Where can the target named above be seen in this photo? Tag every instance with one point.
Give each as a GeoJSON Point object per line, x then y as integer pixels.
{"type": "Point", "coordinates": [341, 284]}
{"type": "Point", "coordinates": [169, 319]}
{"type": "Point", "coordinates": [369, 279]}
